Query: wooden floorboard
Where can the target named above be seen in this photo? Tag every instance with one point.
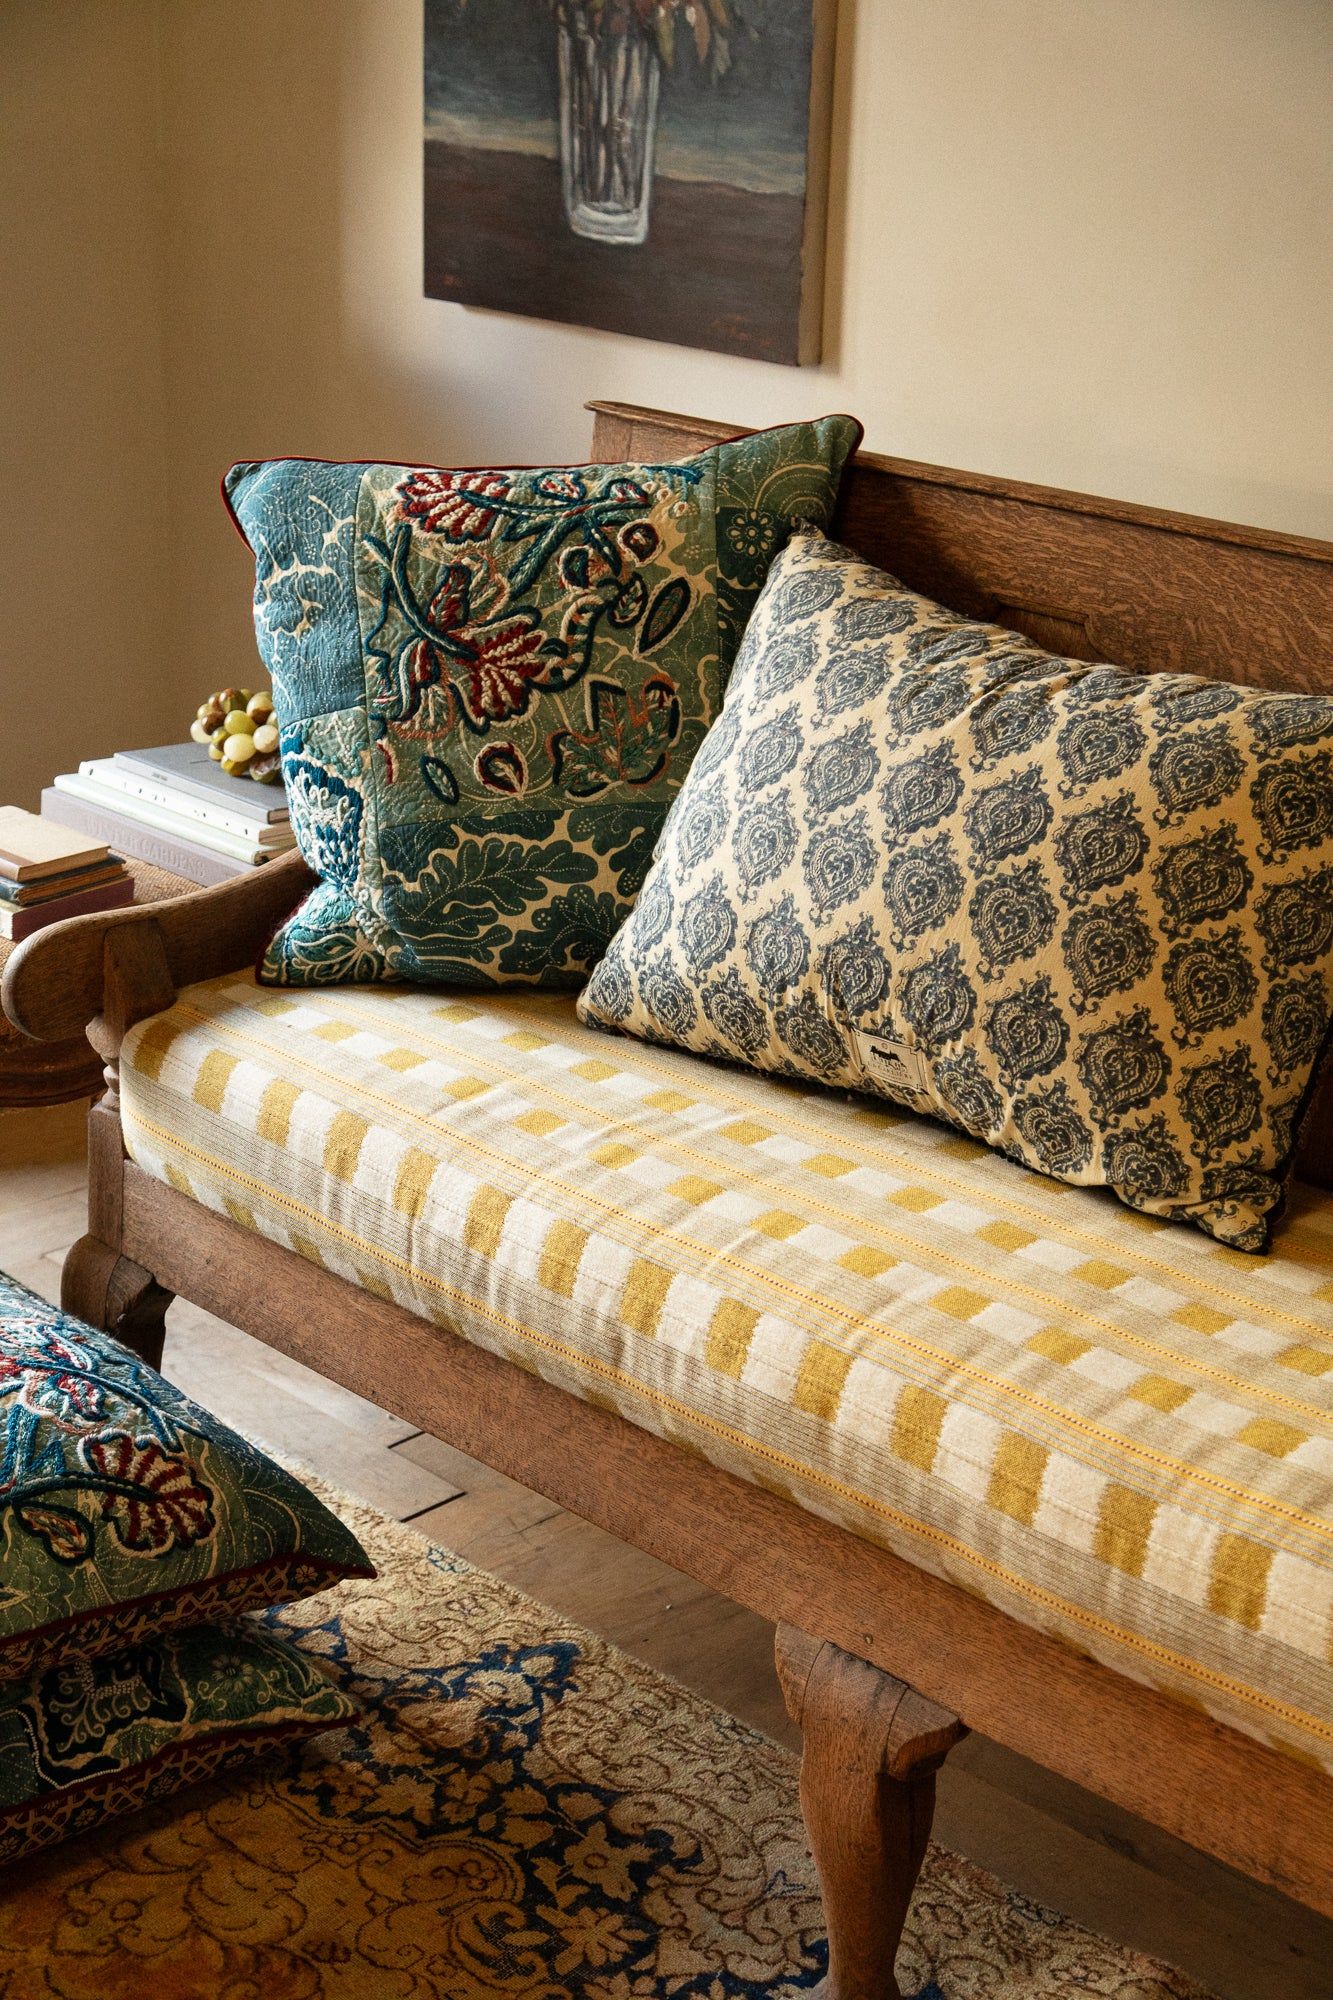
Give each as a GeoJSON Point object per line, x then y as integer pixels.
{"type": "Point", "coordinates": [1045, 1837]}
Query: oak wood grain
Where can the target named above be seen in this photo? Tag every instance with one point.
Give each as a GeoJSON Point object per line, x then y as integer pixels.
{"type": "Point", "coordinates": [54, 983]}
{"type": "Point", "coordinates": [41, 1073]}
{"type": "Point", "coordinates": [870, 1749]}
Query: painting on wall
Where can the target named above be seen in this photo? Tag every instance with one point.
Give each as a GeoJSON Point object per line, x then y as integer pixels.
{"type": "Point", "coordinates": [655, 167]}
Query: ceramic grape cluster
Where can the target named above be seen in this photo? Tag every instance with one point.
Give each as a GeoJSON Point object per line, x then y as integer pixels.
{"type": "Point", "coordinates": [241, 732]}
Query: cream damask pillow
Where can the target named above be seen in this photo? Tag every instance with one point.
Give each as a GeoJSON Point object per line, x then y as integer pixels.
{"type": "Point", "coordinates": [1085, 914]}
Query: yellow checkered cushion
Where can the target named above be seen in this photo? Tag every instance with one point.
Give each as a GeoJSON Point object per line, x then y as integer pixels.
{"type": "Point", "coordinates": [1114, 1429]}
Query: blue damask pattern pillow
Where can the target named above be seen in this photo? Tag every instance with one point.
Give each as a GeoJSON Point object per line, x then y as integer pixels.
{"type": "Point", "coordinates": [125, 1509]}
{"type": "Point", "coordinates": [492, 682]}
{"type": "Point", "coordinates": [1084, 914]}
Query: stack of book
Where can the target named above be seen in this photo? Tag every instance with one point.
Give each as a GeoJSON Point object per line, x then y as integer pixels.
{"type": "Point", "coordinates": [176, 808]}
{"type": "Point", "coordinates": [47, 873]}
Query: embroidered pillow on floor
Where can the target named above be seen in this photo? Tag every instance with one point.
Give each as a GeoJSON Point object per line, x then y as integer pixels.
{"type": "Point", "coordinates": [125, 1509]}
{"type": "Point", "coordinates": [1083, 913]}
{"type": "Point", "coordinates": [84, 1741]}
{"type": "Point", "coordinates": [491, 684]}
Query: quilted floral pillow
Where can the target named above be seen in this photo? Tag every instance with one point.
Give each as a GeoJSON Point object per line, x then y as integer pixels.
{"type": "Point", "coordinates": [491, 684]}
{"type": "Point", "coordinates": [1085, 914]}
{"type": "Point", "coordinates": [86, 1740]}
{"type": "Point", "coordinates": [125, 1509]}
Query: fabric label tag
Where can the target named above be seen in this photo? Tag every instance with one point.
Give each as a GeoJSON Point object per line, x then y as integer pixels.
{"type": "Point", "coordinates": [893, 1064]}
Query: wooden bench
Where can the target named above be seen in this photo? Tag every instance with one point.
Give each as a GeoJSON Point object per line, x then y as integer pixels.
{"type": "Point", "coordinates": [881, 1664]}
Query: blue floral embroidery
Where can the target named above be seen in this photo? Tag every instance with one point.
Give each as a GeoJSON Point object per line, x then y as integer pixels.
{"type": "Point", "coordinates": [446, 645]}
{"type": "Point", "coordinates": [331, 809]}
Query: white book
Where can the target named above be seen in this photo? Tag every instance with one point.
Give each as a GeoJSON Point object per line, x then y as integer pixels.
{"type": "Point", "coordinates": [203, 812]}
{"type": "Point", "coordinates": [239, 847]}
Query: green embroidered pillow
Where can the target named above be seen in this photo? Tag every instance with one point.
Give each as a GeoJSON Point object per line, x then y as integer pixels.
{"type": "Point", "coordinates": [1083, 913]}
{"type": "Point", "coordinates": [125, 1509]}
{"type": "Point", "coordinates": [491, 684]}
{"type": "Point", "coordinates": [84, 1741]}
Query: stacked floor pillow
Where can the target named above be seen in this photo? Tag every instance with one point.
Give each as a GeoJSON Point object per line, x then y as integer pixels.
{"type": "Point", "coordinates": [135, 1533]}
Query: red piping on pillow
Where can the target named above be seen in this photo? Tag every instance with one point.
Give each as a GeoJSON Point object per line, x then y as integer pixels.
{"type": "Point", "coordinates": [571, 465]}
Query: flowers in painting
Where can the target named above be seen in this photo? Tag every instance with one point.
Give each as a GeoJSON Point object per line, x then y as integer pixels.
{"type": "Point", "coordinates": [707, 24]}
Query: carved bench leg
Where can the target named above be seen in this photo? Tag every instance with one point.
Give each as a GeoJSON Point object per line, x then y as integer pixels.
{"type": "Point", "coordinates": [871, 1748]}
{"type": "Point", "coordinates": [98, 1283]}
{"type": "Point", "coordinates": [111, 1292]}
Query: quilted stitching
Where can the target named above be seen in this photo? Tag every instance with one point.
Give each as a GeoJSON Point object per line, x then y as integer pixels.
{"type": "Point", "coordinates": [491, 683]}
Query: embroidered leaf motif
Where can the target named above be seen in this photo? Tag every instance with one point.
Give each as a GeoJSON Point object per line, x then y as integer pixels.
{"type": "Point", "coordinates": [490, 666]}
{"type": "Point", "coordinates": [33, 1367]}
{"type": "Point", "coordinates": [502, 767]}
{"type": "Point", "coordinates": [331, 808]}
{"type": "Point", "coordinates": [500, 872]}
{"type": "Point", "coordinates": [625, 835]}
{"type": "Point", "coordinates": [416, 657]}
{"type": "Point", "coordinates": [525, 822]}
{"type": "Point", "coordinates": [627, 742]}
{"type": "Point", "coordinates": [571, 932]}
{"type": "Point", "coordinates": [502, 664]}
{"type": "Point", "coordinates": [66, 1533]}
{"type": "Point", "coordinates": [452, 601]}
{"type": "Point", "coordinates": [458, 505]}
{"type": "Point", "coordinates": [628, 605]}
{"type": "Point", "coordinates": [440, 779]}
{"type": "Point", "coordinates": [467, 888]}
{"type": "Point", "coordinates": [156, 1504]}
{"type": "Point", "coordinates": [668, 608]}
{"type": "Point", "coordinates": [325, 945]}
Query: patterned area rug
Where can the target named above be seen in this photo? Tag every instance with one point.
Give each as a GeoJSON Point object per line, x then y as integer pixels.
{"type": "Point", "coordinates": [525, 1814]}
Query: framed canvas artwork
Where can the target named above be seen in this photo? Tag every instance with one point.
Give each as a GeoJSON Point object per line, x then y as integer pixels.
{"type": "Point", "coordinates": [656, 167]}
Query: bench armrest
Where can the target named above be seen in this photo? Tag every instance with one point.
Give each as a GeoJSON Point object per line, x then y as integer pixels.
{"type": "Point", "coordinates": [128, 963]}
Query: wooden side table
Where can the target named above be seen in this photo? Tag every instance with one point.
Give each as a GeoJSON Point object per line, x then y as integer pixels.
{"type": "Point", "coordinates": [57, 1072]}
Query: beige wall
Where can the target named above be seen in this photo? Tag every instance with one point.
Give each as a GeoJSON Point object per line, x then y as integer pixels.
{"type": "Point", "coordinates": [1078, 241]}
{"type": "Point", "coordinates": [83, 503]}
